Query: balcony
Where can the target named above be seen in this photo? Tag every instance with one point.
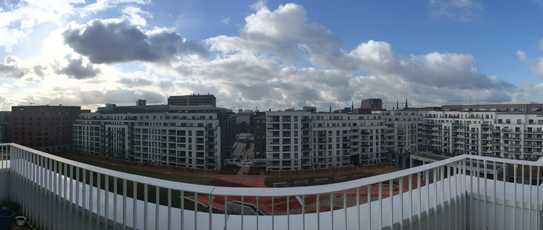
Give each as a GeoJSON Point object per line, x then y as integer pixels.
{"type": "Point", "coordinates": [463, 192]}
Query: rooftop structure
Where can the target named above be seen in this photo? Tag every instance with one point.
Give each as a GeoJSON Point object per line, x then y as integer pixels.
{"type": "Point", "coordinates": [193, 100]}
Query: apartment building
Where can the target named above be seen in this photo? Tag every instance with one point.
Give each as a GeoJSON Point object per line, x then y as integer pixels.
{"type": "Point", "coordinates": [402, 130]}
{"type": "Point", "coordinates": [184, 136]}
{"type": "Point", "coordinates": [519, 136]}
{"type": "Point", "coordinates": [498, 134]}
{"type": "Point", "coordinates": [47, 128]}
{"type": "Point", "coordinates": [298, 140]}
{"type": "Point", "coordinates": [4, 118]}
{"type": "Point", "coordinates": [457, 132]}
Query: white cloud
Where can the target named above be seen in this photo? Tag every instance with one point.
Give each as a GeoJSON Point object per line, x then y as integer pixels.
{"type": "Point", "coordinates": [20, 19]}
{"type": "Point", "coordinates": [462, 10]}
{"type": "Point", "coordinates": [278, 60]}
{"type": "Point", "coordinates": [537, 67]}
{"type": "Point", "coordinates": [101, 5]}
{"type": "Point", "coordinates": [226, 20]}
{"type": "Point", "coordinates": [136, 16]}
{"type": "Point", "coordinates": [521, 55]}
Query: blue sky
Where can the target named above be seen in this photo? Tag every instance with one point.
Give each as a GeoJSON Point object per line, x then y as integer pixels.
{"type": "Point", "coordinates": [270, 54]}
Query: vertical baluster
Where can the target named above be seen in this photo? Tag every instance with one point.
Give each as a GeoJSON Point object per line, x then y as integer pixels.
{"type": "Point", "coordinates": [485, 200]}
{"type": "Point", "coordinates": [303, 212]}
{"type": "Point", "coordinates": [258, 213]}
{"type": "Point", "coordinates": [79, 204]}
{"type": "Point", "coordinates": [91, 200]}
{"type": "Point", "coordinates": [380, 205]}
{"type": "Point", "coordinates": [106, 211]}
{"type": "Point", "coordinates": [530, 210]}
{"type": "Point", "coordinates": [411, 213]}
{"type": "Point", "coordinates": [522, 211]}
{"type": "Point", "coordinates": [243, 214]}
{"type": "Point", "coordinates": [495, 168]}
{"type": "Point", "coordinates": [145, 200]}
{"type": "Point", "coordinates": [427, 185]}
{"type": "Point", "coordinates": [401, 180]}
{"type": "Point", "coordinates": [345, 208]}
{"type": "Point", "coordinates": [115, 209]}
{"type": "Point", "coordinates": [196, 211]}
{"type": "Point", "coordinates": [357, 208]}
{"type": "Point", "coordinates": [157, 208]}
{"type": "Point", "coordinates": [369, 206]}
{"type": "Point", "coordinates": [504, 196]}
{"type": "Point", "coordinates": [134, 204]}
{"type": "Point", "coordinates": [124, 204]}
{"type": "Point", "coordinates": [226, 212]}
{"type": "Point", "coordinates": [318, 212]}
{"type": "Point", "coordinates": [182, 200]}
{"type": "Point", "coordinates": [538, 203]}
{"type": "Point", "coordinates": [515, 195]}
{"type": "Point", "coordinates": [169, 209]}
{"type": "Point", "coordinates": [332, 196]}
{"type": "Point", "coordinates": [273, 213]}
{"type": "Point", "coordinates": [98, 200]}
{"type": "Point", "coordinates": [390, 196]}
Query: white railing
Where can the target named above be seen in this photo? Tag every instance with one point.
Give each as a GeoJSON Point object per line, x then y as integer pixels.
{"type": "Point", "coordinates": [463, 192]}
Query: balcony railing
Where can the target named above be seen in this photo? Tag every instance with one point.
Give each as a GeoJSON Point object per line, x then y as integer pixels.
{"type": "Point", "coordinates": [463, 192]}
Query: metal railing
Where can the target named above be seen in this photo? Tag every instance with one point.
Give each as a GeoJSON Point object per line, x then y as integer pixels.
{"type": "Point", "coordinates": [463, 192]}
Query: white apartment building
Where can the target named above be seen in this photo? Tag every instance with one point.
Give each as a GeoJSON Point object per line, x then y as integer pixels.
{"type": "Point", "coordinates": [519, 136]}
{"type": "Point", "coordinates": [191, 140]}
{"type": "Point", "coordinates": [506, 135]}
{"type": "Point", "coordinates": [457, 132]}
{"type": "Point", "coordinates": [303, 140]}
{"type": "Point", "coordinates": [402, 130]}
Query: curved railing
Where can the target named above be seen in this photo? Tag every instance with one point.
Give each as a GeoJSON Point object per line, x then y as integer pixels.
{"type": "Point", "coordinates": [455, 193]}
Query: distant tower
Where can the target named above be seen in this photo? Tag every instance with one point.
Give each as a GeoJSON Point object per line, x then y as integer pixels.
{"type": "Point", "coordinates": [397, 105]}
{"type": "Point", "coordinates": [352, 106]}
{"type": "Point", "coordinates": [330, 108]}
{"type": "Point", "coordinates": [406, 104]}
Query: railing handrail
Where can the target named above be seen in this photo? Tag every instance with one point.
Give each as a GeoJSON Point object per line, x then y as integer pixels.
{"type": "Point", "coordinates": [269, 192]}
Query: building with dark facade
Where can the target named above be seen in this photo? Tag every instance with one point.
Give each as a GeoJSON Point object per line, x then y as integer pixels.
{"type": "Point", "coordinates": [371, 104]}
{"type": "Point", "coordinates": [4, 116]}
{"type": "Point", "coordinates": [193, 100]}
{"type": "Point", "coordinates": [47, 128]}
{"type": "Point", "coordinates": [259, 132]}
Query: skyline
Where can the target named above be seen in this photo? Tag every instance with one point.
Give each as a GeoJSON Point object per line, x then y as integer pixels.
{"type": "Point", "coordinates": [272, 54]}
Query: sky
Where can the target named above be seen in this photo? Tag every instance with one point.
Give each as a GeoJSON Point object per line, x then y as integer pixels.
{"type": "Point", "coordinates": [270, 54]}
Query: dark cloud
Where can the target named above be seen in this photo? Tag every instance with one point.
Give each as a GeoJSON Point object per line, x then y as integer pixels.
{"type": "Point", "coordinates": [11, 71]}
{"type": "Point", "coordinates": [111, 41]}
{"type": "Point", "coordinates": [77, 69]}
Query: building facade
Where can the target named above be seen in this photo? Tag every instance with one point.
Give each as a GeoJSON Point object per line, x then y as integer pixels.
{"type": "Point", "coordinates": [47, 128]}
{"type": "Point", "coordinates": [193, 100]}
{"type": "Point", "coordinates": [297, 140]}
{"type": "Point", "coordinates": [497, 134]}
{"type": "Point", "coordinates": [4, 118]}
{"type": "Point", "coordinates": [183, 136]}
